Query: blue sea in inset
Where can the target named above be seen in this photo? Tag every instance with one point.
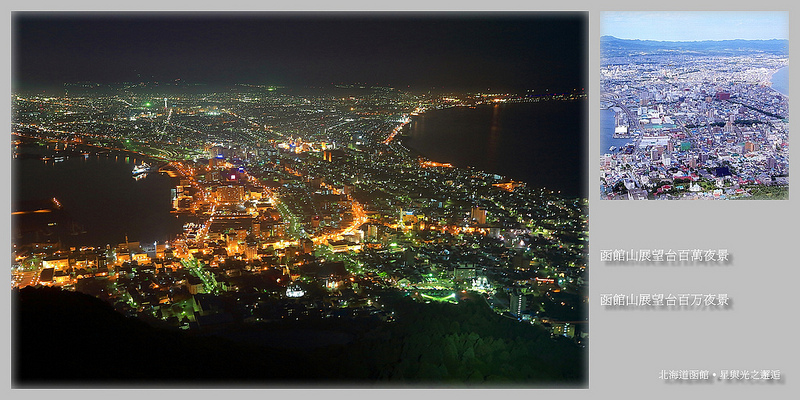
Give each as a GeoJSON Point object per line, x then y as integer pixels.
{"type": "Point", "coordinates": [780, 81]}
{"type": "Point", "coordinates": [607, 133]}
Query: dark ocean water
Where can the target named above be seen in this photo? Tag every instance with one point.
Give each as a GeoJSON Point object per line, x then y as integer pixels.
{"type": "Point", "coordinates": [541, 144]}
{"type": "Point", "coordinates": [101, 197]}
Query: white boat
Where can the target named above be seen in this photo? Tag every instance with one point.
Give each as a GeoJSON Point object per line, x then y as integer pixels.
{"type": "Point", "coordinates": [140, 169]}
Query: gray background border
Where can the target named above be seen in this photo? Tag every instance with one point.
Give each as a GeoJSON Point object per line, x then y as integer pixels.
{"type": "Point", "coordinates": [628, 347]}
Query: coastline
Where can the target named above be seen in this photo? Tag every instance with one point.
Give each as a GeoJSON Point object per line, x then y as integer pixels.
{"type": "Point", "coordinates": [503, 140]}
{"type": "Point", "coordinates": [782, 86]}
{"type": "Point", "coordinates": [87, 186]}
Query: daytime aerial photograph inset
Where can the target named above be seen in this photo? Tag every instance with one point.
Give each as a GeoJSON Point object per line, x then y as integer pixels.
{"type": "Point", "coordinates": [695, 106]}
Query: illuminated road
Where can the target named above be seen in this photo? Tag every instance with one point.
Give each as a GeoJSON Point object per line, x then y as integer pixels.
{"type": "Point", "coordinates": [404, 121]}
{"type": "Point", "coordinates": [209, 282]}
{"type": "Point", "coordinates": [359, 218]}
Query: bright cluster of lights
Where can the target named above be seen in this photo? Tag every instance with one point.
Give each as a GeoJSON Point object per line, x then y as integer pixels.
{"type": "Point", "coordinates": [295, 291]}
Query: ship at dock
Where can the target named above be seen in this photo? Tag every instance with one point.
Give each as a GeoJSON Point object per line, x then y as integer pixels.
{"type": "Point", "coordinates": [141, 169]}
{"type": "Point", "coordinates": [620, 128]}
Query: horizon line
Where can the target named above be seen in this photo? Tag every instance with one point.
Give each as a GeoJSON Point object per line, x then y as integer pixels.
{"type": "Point", "coordinates": [692, 41]}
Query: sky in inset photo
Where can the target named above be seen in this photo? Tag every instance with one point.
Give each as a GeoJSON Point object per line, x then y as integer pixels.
{"type": "Point", "coordinates": [695, 26]}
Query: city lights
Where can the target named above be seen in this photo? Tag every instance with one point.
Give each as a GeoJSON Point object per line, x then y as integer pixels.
{"type": "Point", "coordinates": [305, 222]}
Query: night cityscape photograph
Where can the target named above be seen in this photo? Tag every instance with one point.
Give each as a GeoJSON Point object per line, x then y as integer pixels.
{"type": "Point", "coordinates": [300, 199]}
